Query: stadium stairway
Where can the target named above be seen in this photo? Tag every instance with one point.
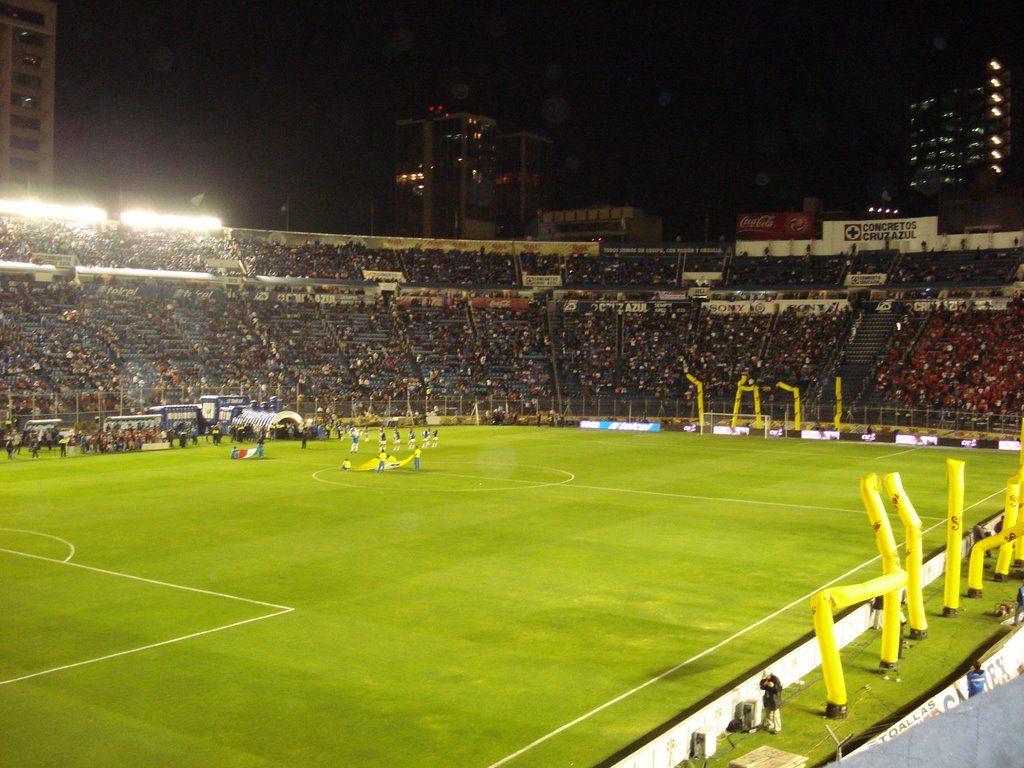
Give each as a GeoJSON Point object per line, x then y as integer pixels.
{"type": "Point", "coordinates": [873, 333]}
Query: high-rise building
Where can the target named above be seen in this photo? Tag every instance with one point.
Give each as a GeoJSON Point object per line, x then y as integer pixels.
{"type": "Point", "coordinates": [964, 135]}
{"type": "Point", "coordinates": [28, 52]}
{"type": "Point", "coordinates": [444, 176]}
{"type": "Point", "coordinates": [522, 184]}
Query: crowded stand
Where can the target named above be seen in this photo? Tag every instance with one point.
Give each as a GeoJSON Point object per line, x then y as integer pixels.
{"type": "Point", "coordinates": [303, 320]}
{"type": "Point", "coordinates": [441, 344]}
{"type": "Point", "coordinates": [622, 271]}
{"type": "Point", "coordinates": [784, 271]}
{"type": "Point", "coordinates": [989, 267]}
{"type": "Point", "coordinates": [586, 342]}
{"type": "Point", "coordinates": [533, 263]}
{"type": "Point", "coordinates": [655, 350]}
{"type": "Point", "coordinates": [515, 358]}
{"type": "Point", "coordinates": [725, 347]}
{"type": "Point", "coordinates": [871, 262]}
{"type": "Point", "coordinates": [803, 348]}
{"type": "Point", "coordinates": [456, 267]}
{"type": "Point", "coordinates": [967, 359]}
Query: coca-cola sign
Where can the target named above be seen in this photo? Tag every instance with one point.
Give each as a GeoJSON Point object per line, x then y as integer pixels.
{"type": "Point", "coordinates": [774, 226]}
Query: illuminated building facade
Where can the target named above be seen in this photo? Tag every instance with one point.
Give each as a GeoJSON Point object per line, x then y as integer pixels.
{"type": "Point", "coordinates": [522, 184]}
{"type": "Point", "coordinates": [602, 223]}
{"type": "Point", "coordinates": [965, 135]}
{"type": "Point", "coordinates": [444, 176]}
{"type": "Point", "coordinates": [28, 51]}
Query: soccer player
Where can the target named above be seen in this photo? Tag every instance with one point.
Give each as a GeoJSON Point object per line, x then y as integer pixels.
{"type": "Point", "coordinates": [396, 439]}
{"type": "Point", "coordinates": [355, 441]}
{"type": "Point", "coordinates": [433, 439]}
{"type": "Point", "coordinates": [412, 438]}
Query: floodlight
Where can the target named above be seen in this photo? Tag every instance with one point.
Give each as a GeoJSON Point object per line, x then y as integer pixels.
{"type": "Point", "coordinates": [33, 209]}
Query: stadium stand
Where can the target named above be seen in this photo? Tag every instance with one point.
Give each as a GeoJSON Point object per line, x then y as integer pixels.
{"type": "Point", "coordinates": [304, 322]}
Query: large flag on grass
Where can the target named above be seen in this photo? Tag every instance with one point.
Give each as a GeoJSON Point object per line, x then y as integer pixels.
{"type": "Point", "coordinates": [247, 453]}
{"type": "Point", "coordinates": [391, 462]}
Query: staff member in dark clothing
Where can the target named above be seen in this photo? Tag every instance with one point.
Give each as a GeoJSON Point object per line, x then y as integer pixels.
{"type": "Point", "coordinates": [771, 697]}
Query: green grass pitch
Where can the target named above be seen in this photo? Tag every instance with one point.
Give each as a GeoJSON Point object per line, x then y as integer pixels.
{"type": "Point", "coordinates": [531, 597]}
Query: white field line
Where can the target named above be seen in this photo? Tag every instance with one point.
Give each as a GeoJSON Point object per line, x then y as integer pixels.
{"type": "Point", "coordinates": [279, 611]}
{"type": "Point", "coordinates": [758, 502]}
{"type": "Point", "coordinates": [702, 654]}
{"type": "Point", "coordinates": [897, 453]}
{"type": "Point", "coordinates": [65, 542]}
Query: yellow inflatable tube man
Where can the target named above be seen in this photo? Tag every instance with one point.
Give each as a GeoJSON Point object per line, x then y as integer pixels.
{"type": "Point", "coordinates": [825, 603]}
{"type": "Point", "coordinates": [1003, 539]}
{"type": "Point", "coordinates": [823, 607]}
{"type": "Point", "coordinates": [893, 485]}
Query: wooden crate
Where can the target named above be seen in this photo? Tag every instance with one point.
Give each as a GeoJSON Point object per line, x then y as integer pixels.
{"type": "Point", "coordinates": [769, 757]}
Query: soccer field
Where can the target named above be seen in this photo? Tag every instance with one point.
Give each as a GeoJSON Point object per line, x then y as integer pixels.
{"type": "Point", "coordinates": [531, 597]}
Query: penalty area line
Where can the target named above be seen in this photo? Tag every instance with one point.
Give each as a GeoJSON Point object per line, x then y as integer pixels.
{"type": "Point", "coordinates": [279, 610]}
{"type": "Point", "coordinates": [677, 667]}
{"type": "Point", "coordinates": [697, 657]}
{"type": "Point", "coordinates": [145, 647]}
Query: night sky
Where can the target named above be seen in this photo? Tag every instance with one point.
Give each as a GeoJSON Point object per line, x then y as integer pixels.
{"type": "Point", "coordinates": [747, 106]}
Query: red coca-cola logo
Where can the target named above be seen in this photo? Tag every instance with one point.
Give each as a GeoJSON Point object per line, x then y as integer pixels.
{"type": "Point", "coordinates": [756, 222]}
{"type": "Point", "coordinates": [768, 226]}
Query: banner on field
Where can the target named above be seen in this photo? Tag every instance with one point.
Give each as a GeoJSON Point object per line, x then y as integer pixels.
{"type": "Point", "coordinates": [819, 434]}
{"type": "Point", "coordinates": [621, 426]}
{"type": "Point", "coordinates": [775, 226]}
{"type": "Point", "coordinates": [725, 429]}
{"type": "Point", "coordinates": [902, 439]}
{"type": "Point", "coordinates": [390, 462]}
{"type": "Point", "coordinates": [248, 453]}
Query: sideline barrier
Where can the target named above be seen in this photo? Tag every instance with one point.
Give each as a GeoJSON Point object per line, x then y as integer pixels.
{"type": "Point", "coordinates": [661, 749]}
{"type": "Point", "coordinates": [1002, 665]}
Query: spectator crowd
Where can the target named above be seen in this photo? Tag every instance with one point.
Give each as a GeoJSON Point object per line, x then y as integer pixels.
{"type": "Point", "coordinates": [451, 330]}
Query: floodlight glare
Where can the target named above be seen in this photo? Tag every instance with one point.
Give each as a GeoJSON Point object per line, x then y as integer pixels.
{"type": "Point", "coordinates": [151, 220]}
{"type": "Point", "coordinates": [33, 209]}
